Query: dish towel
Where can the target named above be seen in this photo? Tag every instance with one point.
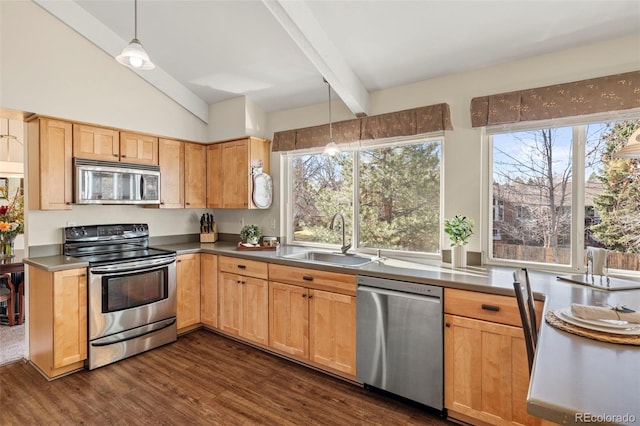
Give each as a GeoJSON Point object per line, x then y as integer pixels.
{"type": "Point", "coordinates": [603, 313]}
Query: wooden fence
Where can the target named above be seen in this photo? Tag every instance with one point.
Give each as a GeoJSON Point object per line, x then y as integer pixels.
{"type": "Point", "coordinates": [625, 261]}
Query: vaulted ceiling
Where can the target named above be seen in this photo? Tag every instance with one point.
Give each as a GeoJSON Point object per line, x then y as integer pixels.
{"type": "Point", "coordinates": [277, 52]}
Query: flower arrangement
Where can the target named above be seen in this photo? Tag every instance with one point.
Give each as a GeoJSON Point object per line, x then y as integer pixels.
{"type": "Point", "coordinates": [251, 234]}
{"type": "Point", "coordinates": [459, 229]}
{"type": "Point", "coordinates": [11, 219]}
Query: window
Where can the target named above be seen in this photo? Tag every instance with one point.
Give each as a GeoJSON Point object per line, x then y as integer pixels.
{"type": "Point", "coordinates": [562, 191]}
{"type": "Point", "coordinates": [395, 197]}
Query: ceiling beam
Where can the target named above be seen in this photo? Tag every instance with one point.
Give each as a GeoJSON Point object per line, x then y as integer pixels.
{"type": "Point", "coordinates": [303, 28]}
{"type": "Point", "coordinates": [77, 18]}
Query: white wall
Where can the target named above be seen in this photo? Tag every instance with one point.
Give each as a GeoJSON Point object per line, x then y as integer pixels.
{"type": "Point", "coordinates": [47, 68]}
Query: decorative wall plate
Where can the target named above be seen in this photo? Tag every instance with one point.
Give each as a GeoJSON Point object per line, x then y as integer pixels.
{"type": "Point", "coordinates": [262, 190]}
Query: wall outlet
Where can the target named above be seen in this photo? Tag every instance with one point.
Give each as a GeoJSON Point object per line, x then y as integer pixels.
{"type": "Point", "coordinates": [70, 224]}
{"type": "Point", "coordinates": [273, 224]}
{"type": "Point", "coordinates": [242, 222]}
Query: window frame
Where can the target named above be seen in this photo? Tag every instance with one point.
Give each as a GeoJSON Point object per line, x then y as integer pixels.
{"type": "Point", "coordinates": [286, 161]}
{"type": "Point", "coordinates": [579, 125]}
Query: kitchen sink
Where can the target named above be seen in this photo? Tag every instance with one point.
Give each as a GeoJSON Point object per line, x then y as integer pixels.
{"type": "Point", "coordinates": [332, 258]}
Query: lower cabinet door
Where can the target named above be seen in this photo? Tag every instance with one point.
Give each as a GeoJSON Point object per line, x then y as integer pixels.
{"type": "Point", "coordinates": [209, 289]}
{"type": "Point", "coordinates": [230, 302]}
{"type": "Point", "coordinates": [486, 371]}
{"type": "Point", "coordinates": [69, 317]}
{"type": "Point", "coordinates": [332, 330]}
{"type": "Point", "coordinates": [188, 290]}
{"type": "Point", "coordinates": [289, 319]}
{"type": "Point", "coordinates": [255, 314]}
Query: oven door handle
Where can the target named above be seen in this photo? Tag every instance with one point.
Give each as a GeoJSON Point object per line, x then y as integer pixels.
{"type": "Point", "coordinates": [145, 265]}
{"type": "Point", "coordinates": [123, 337]}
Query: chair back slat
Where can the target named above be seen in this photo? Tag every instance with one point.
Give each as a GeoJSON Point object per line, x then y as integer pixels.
{"type": "Point", "coordinates": [524, 297]}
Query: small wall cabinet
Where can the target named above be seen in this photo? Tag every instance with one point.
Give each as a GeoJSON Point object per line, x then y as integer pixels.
{"type": "Point", "coordinates": [229, 180]}
{"type": "Point", "coordinates": [50, 146]}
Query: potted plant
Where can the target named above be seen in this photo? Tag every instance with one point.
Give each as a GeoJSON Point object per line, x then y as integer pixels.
{"type": "Point", "coordinates": [251, 234]}
{"type": "Point", "coordinates": [459, 229]}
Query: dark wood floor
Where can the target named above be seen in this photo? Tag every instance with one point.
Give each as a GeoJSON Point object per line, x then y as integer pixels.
{"type": "Point", "coordinates": [202, 379]}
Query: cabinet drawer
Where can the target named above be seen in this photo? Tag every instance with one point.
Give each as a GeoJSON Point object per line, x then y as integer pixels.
{"type": "Point", "coordinates": [489, 307]}
{"type": "Point", "coordinates": [312, 278]}
{"type": "Point", "coordinates": [250, 268]}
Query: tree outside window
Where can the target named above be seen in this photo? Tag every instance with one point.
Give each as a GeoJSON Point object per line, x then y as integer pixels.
{"type": "Point", "coordinates": [397, 196]}
{"type": "Point", "coordinates": [533, 180]}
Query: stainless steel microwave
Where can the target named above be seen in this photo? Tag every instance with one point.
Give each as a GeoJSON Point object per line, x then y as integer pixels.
{"type": "Point", "coordinates": [109, 182]}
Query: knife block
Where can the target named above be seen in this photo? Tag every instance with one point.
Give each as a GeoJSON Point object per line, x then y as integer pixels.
{"type": "Point", "coordinates": [210, 237]}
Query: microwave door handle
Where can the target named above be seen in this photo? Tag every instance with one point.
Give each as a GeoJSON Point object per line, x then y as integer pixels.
{"type": "Point", "coordinates": [142, 187]}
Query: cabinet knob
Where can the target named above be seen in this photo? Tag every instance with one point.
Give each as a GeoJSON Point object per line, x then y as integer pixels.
{"type": "Point", "coordinates": [304, 295]}
{"type": "Point", "coordinates": [123, 156]}
{"type": "Point", "coordinates": [116, 155]}
{"type": "Point", "coordinates": [310, 296]}
{"type": "Point", "coordinates": [447, 324]}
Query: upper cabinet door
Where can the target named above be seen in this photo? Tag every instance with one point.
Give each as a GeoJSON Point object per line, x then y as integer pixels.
{"type": "Point", "coordinates": [136, 148]}
{"type": "Point", "coordinates": [195, 176]}
{"type": "Point", "coordinates": [50, 166]}
{"type": "Point", "coordinates": [96, 143]}
{"type": "Point", "coordinates": [214, 176]}
{"type": "Point", "coordinates": [171, 159]}
{"type": "Point", "coordinates": [235, 166]}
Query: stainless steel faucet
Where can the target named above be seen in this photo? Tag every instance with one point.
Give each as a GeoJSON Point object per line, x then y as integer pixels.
{"type": "Point", "coordinates": [345, 246]}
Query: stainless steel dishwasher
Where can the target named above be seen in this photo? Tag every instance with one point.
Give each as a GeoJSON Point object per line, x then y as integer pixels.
{"type": "Point", "coordinates": [400, 339]}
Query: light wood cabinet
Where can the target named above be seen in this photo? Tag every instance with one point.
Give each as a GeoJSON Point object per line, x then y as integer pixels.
{"type": "Point", "coordinates": [214, 176]}
{"type": "Point", "coordinates": [209, 289]}
{"type": "Point", "coordinates": [486, 370]}
{"type": "Point", "coordinates": [188, 291]}
{"type": "Point", "coordinates": [50, 147]}
{"type": "Point", "coordinates": [229, 180]}
{"type": "Point", "coordinates": [58, 320]}
{"type": "Point", "coordinates": [312, 316]}
{"type": "Point", "coordinates": [101, 143]}
{"type": "Point", "coordinates": [96, 143]}
{"type": "Point", "coordinates": [195, 175]}
{"type": "Point", "coordinates": [243, 296]}
{"type": "Point", "coordinates": [137, 148]}
{"type": "Point", "coordinates": [183, 174]}
{"type": "Point", "coordinates": [171, 160]}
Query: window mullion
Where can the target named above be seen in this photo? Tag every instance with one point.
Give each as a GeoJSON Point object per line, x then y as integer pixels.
{"type": "Point", "coordinates": [355, 201]}
{"type": "Point", "coordinates": [577, 198]}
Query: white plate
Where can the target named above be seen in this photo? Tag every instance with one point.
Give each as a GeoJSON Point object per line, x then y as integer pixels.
{"type": "Point", "coordinates": [600, 323]}
{"type": "Point", "coordinates": [565, 315]}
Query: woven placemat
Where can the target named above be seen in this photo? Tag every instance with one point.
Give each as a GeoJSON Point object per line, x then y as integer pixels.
{"type": "Point", "coordinates": [622, 339]}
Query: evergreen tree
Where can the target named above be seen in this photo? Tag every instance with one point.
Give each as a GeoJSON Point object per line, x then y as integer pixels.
{"type": "Point", "coordinates": [619, 202]}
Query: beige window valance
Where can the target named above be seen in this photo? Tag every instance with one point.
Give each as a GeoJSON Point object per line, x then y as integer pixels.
{"type": "Point", "coordinates": [409, 122]}
{"type": "Point", "coordinates": [603, 94]}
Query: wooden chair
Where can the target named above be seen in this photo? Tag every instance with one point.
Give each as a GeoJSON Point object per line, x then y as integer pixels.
{"type": "Point", "coordinates": [7, 295]}
{"type": "Point", "coordinates": [524, 296]}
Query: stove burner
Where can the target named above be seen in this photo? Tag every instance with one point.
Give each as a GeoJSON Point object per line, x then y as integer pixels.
{"type": "Point", "coordinates": [109, 244]}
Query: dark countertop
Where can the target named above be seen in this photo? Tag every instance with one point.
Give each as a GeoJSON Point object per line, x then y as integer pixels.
{"type": "Point", "coordinates": [572, 375]}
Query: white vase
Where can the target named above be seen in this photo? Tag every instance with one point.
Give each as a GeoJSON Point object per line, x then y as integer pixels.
{"type": "Point", "coordinates": [459, 256]}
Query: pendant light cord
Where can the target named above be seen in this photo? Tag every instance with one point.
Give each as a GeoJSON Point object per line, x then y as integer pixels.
{"type": "Point", "coordinates": [135, 19]}
{"type": "Point", "coordinates": [330, 132]}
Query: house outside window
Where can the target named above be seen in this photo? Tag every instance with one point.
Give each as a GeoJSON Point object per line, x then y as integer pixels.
{"type": "Point", "coordinates": [562, 191]}
{"type": "Point", "coordinates": [388, 192]}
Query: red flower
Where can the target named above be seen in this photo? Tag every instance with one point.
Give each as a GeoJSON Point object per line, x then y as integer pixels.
{"type": "Point", "coordinates": [3, 210]}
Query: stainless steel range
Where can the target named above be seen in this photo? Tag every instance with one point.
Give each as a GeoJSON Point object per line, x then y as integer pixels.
{"type": "Point", "coordinates": [131, 291]}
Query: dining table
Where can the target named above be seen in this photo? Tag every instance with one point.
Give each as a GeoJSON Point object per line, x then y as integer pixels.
{"type": "Point", "coordinates": [14, 265]}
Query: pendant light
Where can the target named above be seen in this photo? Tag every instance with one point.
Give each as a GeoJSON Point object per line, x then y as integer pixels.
{"type": "Point", "coordinates": [134, 55]}
{"type": "Point", "coordinates": [331, 149]}
{"type": "Point", "coordinates": [632, 148]}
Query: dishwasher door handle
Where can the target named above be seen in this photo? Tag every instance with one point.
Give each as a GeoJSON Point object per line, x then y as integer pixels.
{"type": "Point", "coordinates": [431, 299]}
